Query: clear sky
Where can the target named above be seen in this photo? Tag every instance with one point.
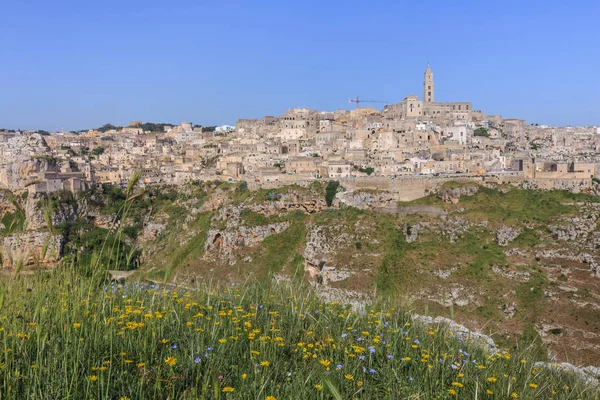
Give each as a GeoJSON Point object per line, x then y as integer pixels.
{"type": "Point", "coordinates": [80, 64]}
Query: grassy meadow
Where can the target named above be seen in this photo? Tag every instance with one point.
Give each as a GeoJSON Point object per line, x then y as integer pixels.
{"type": "Point", "coordinates": [69, 336]}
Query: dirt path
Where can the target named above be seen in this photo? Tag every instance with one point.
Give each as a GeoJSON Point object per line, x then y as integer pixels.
{"type": "Point", "coordinates": [428, 210]}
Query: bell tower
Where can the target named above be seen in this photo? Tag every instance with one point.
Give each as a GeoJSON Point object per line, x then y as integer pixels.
{"type": "Point", "coordinates": [428, 88]}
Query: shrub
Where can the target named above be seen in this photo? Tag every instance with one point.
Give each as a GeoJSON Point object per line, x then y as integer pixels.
{"type": "Point", "coordinates": [273, 195]}
{"type": "Point", "coordinates": [330, 191]}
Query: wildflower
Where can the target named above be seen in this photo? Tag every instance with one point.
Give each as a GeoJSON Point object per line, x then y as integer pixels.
{"type": "Point", "coordinates": [457, 384]}
{"type": "Point", "coordinates": [228, 389]}
{"type": "Point", "coordinates": [491, 379]}
{"type": "Point", "coordinates": [124, 398]}
{"type": "Point", "coordinates": [488, 391]}
{"type": "Point", "coordinates": [197, 360]}
{"type": "Point", "coordinates": [93, 378]}
{"type": "Point", "coordinates": [171, 361]}
{"type": "Point", "coordinates": [76, 325]}
{"type": "Point", "coordinates": [319, 387]}
{"type": "Point", "coordinates": [452, 392]}
{"type": "Point", "coordinates": [339, 366]}
{"type": "Point", "coordinates": [359, 383]}
{"type": "Point", "coordinates": [270, 398]}
{"type": "Point", "coordinates": [361, 357]}
{"type": "Point", "coordinates": [405, 359]}
{"type": "Point", "coordinates": [371, 349]}
{"type": "Point", "coordinates": [140, 364]}
{"type": "Point", "coordinates": [514, 395]}
{"type": "Point", "coordinates": [533, 385]}
{"type": "Point", "coordinates": [372, 371]}
{"type": "Point", "coordinates": [325, 363]}
{"type": "Point", "coordinates": [349, 377]}
{"type": "Point", "coordinates": [173, 346]}
{"type": "Point", "coordinates": [390, 356]}
{"type": "Point", "coordinates": [244, 376]}
{"type": "Point", "coordinates": [265, 363]}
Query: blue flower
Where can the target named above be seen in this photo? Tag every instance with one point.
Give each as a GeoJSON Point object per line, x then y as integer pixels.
{"type": "Point", "coordinates": [210, 349]}
{"type": "Point", "coordinates": [339, 366]}
{"type": "Point", "coordinates": [372, 371]}
{"type": "Point", "coordinates": [197, 360]}
{"type": "Point", "coordinates": [454, 366]}
{"type": "Point", "coordinates": [344, 335]}
{"type": "Point", "coordinates": [173, 346]}
{"type": "Point", "coordinates": [371, 349]}
{"type": "Point", "coordinates": [389, 356]}
{"type": "Point", "coordinates": [361, 357]}
{"type": "Point", "coordinates": [417, 341]}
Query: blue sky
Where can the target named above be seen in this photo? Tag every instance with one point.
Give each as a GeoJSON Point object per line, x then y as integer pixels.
{"type": "Point", "coordinates": [80, 64]}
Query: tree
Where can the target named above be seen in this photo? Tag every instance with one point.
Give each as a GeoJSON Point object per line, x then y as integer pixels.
{"type": "Point", "coordinates": [208, 128]}
{"type": "Point", "coordinates": [330, 191]}
{"type": "Point", "coordinates": [481, 131]}
{"type": "Point", "coordinates": [98, 150]}
{"type": "Point", "coordinates": [107, 127]}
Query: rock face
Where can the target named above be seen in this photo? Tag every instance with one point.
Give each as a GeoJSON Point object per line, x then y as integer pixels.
{"type": "Point", "coordinates": [367, 199]}
{"type": "Point", "coordinates": [483, 341]}
{"type": "Point", "coordinates": [411, 232]}
{"type": "Point", "coordinates": [30, 248]}
{"type": "Point", "coordinates": [505, 235]}
{"type": "Point", "coordinates": [453, 195]}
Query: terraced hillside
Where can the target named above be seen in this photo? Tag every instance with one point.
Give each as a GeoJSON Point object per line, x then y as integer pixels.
{"type": "Point", "coordinates": [513, 263]}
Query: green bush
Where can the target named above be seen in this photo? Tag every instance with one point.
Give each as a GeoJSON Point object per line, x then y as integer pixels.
{"type": "Point", "coordinates": [330, 191]}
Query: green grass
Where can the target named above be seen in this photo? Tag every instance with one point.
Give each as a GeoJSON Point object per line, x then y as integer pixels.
{"type": "Point", "coordinates": [194, 248]}
{"type": "Point", "coordinates": [13, 222]}
{"type": "Point", "coordinates": [65, 336]}
{"type": "Point", "coordinates": [277, 250]}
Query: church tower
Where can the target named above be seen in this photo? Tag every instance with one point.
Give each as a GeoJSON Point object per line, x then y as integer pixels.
{"type": "Point", "coordinates": [428, 90]}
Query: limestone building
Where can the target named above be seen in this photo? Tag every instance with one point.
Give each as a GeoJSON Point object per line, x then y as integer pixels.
{"type": "Point", "coordinates": [428, 109]}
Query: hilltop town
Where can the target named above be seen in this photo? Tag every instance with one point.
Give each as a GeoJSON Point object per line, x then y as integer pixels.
{"type": "Point", "coordinates": [407, 143]}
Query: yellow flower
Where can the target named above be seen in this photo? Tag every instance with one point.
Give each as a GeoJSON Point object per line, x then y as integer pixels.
{"type": "Point", "coordinates": [140, 364]}
{"type": "Point", "coordinates": [349, 377]}
{"type": "Point", "coordinates": [222, 341]}
{"type": "Point", "coordinates": [76, 325]}
{"type": "Point", "coordinates": [461, 375]}
{"type": "Point", "coordinates": [452, 392]}
{"type": "Point", "coordinates": [270, 398]}
{"type": "Point", "coordinates": [489, 392]}
{"type": "Point", "coordinates": [93, 378]}
{"type": "Point", "coordinates": [533, 385]}
{"type": "Point", "coordinates": [359, 383]}
{"type": "Point", "coordinates": [228, 389]}
{"type": "Point", "coordinates": [265, 363]}
{"type": "Point", "coordinates": [319, 387]}
{"type": "Point", "coordinates": [244, 376]}
{"type": "Point", "coordinates": [491, 379]}
{"type": "Point", "coordinates": [124, 398]}
{"type": "Point", "coordinates": [325, 363]}
{"type": "Point", "coordinates": [171, 361]}
{"type": "Point", "coordinates": [514, 395]}
{"type": "Point", "coordinates": [406, 359]}
{"type": "Point", "coordinates": [457, 384]}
